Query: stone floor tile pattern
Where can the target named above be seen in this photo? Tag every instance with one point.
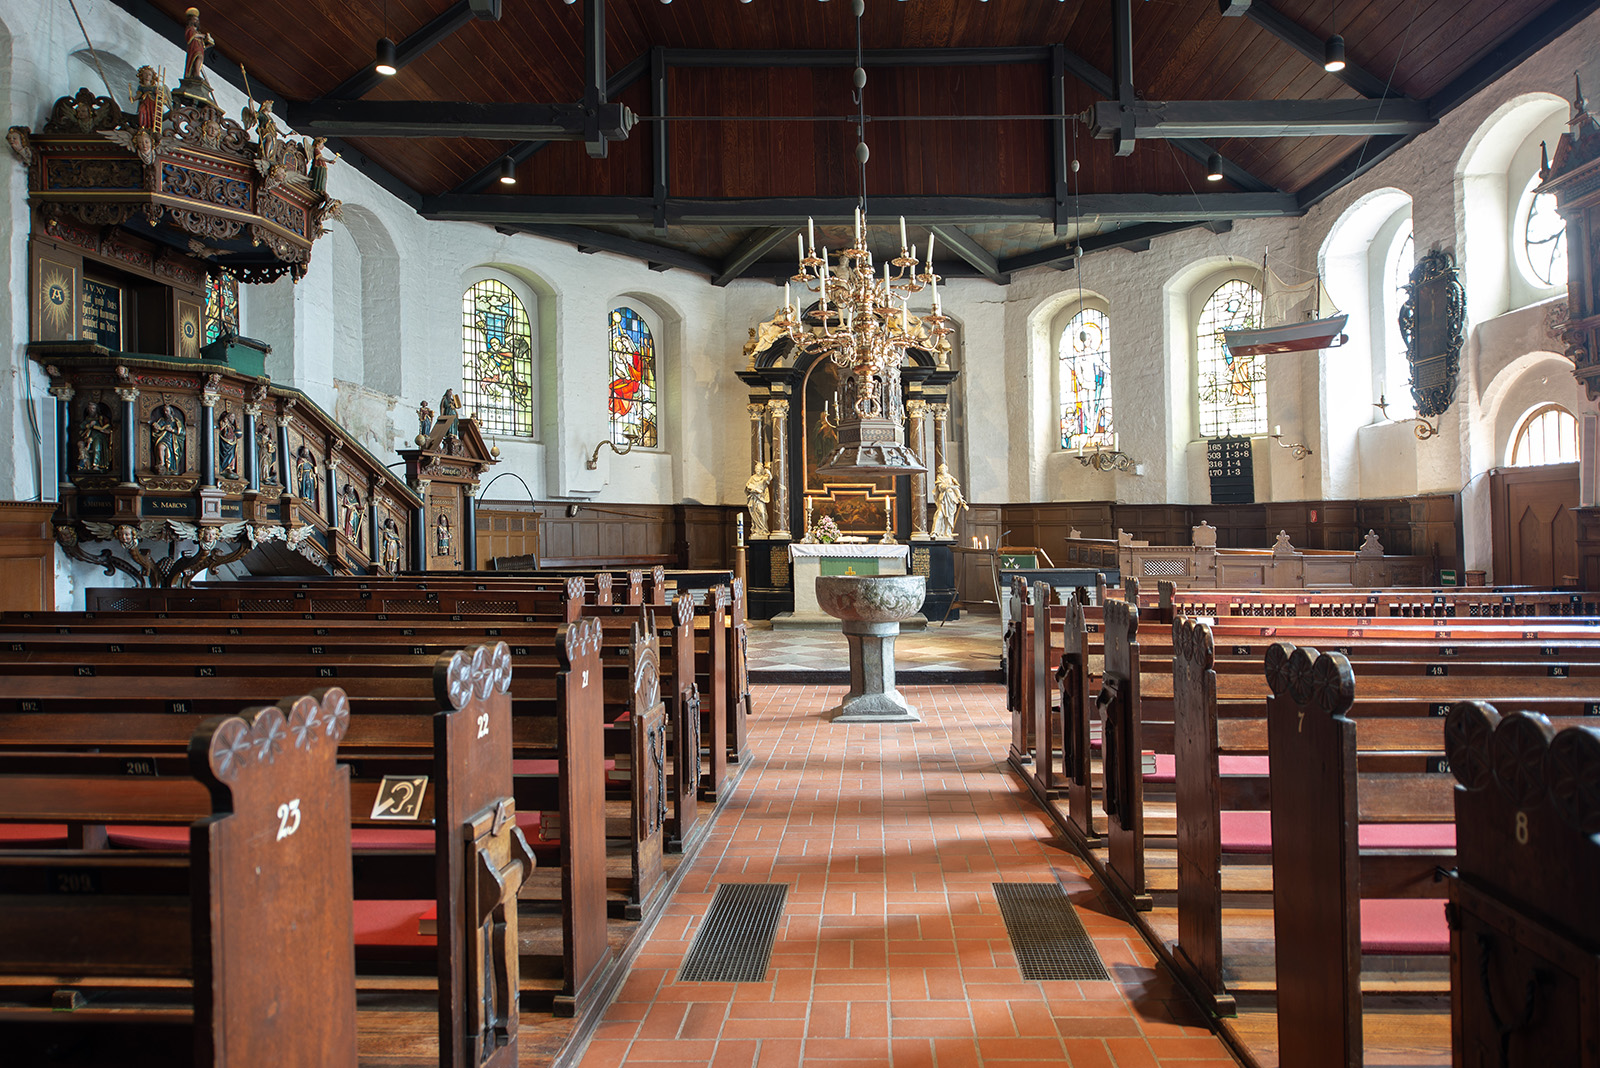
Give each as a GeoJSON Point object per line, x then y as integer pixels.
{"type": "Point", "coordinates": [892, 951]}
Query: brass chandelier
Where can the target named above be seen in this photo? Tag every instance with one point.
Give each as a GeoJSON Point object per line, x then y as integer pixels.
{"type": "Point", "coordinates": [862, 322]}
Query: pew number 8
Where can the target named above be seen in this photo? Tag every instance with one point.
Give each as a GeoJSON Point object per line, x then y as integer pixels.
{"type": "Point", "coordinates": [1522, 828]}
{"type": "Point", "coordinates": [288, 818]}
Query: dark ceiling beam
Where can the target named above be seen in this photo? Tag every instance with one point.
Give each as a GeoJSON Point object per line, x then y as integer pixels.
{"type": "Point", "coordinates": [756, 245]}
{"type": "Point", "coordinates": [963, 244]}
{"type": "Point", "coordinates": [525, 151]}
{"type": "Point", "coordinates": [512, 209]}
{"type": "Point", "coordinates": [587, 240]}
{"type": "Point", "coordinates": [1135, 238]}
{"type": "Point", "coordinates": [1305, 42]}
{"type": "Point", "coordinates": [415, 44]}
{"type": "Point", "coordinates": [440, 118]}
{"type": "Point", "coordinates": [166, 27]}
{"type": "Point", "coordinates": [1543, 28]}
{"type": "Point", "coordinates": [1100, 82]}
{"type": "Point", "coordinates": [1122, 75]}
{"type": "Point", "coordinates": [1355, 163]}
{"type": "Point", "coordinates": [840, 57]}
{"type": "Point", "coordinates": [597, 137]}
{"type": "Point", "coordinates": [1158, 119]}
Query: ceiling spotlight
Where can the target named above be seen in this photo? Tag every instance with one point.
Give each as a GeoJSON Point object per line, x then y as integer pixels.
{"type": "Point", "coordinates": [508, 171]}
{"type": "Point", "coordinates": [385, 62]}
{"type": "Point", "coordinates": [1333, 54]}
{"type": "Point", "coordinates": [1214, 168]}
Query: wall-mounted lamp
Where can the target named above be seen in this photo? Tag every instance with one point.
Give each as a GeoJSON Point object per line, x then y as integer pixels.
{"type": "Point", "coordinates": [1109, 460]}
{"type": "Point", "coordinates": [594, 457]}
{"type": "Point", "coordinates": [385, 63]}
{"type": "Point", "coordinates": [1296, 449]}
{"type": "Point", "coordinates": [1423, 429]}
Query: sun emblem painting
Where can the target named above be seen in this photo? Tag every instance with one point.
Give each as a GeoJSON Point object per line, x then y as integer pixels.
{"type": "Point", "coordinates": [55, 302]}
{"type": "Point", "coordinates": [633, 379]}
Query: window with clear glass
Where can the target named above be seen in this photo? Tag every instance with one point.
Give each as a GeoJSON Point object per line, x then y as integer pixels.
{"type": "Point", "coordinates": [496, 359]}
{"type": "Point", "coordinates": [1084, 356]}
{"type": "Point", "coordinates": [222, 306]}
{"type": "Point", "coordinates": [633, 379]}
{"type": "Point", "coordinates": [1549, 435]}
{"type": "Point", "coordinates": [1544, 240]}
{"type": "Point", "coordinates": [1232, 389]}
{"type": "Point", "coordinates": [1405, 262]}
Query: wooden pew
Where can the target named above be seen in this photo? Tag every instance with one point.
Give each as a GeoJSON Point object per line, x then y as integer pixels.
{"type": "Point", "coordinates": [259, 916]}
{"type": "Point", "coordinates": [1526, 933]}
{"type": "Point", "coordinates": [562, 727]}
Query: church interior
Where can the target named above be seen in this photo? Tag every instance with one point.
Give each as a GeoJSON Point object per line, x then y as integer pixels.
{"type": "Point", "coordinates": [749, 533]}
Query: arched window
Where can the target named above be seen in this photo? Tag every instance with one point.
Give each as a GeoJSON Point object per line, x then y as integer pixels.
{"type": "Point", "coordinates": [496, 359]}
{"type": "Point", "coordinates": [222, 306]}
{"type": "Point", "coordinates": [1544, 238]}
{"type": "Point", "coordinates": [1232, 389]}
{"type": "Point", "coordinates": [1549, 435]}
{"type": "Point", "coordinates": [1405, 262]}
{"type": "Point", "coordinates": [633, 379]}
{"type": "Point", "coordinates": [1084, 355]}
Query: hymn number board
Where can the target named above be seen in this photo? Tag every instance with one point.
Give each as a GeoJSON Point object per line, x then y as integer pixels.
{"type": "Point", "coordinates": [1233, 477]}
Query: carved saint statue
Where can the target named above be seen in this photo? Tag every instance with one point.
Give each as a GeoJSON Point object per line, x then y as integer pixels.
{"type": "Point", "coordinates": [424, 422]}
{"type": "Point", "coordinates": [305, 475]}
{"type": "Point", "coordinates": [755, 498]}
{"type": "Point", "coordinates": [449, 404]}
{"type": "Point", "coordinates": [389, 545]}
{"type": "Point", "coordinates": [318, 164]}
{"type": "Point", "coordinates": [94, 439]}
{"type": "Point", "coordinates": [267, 452]}
{"type": "Point", "coordinates": [350, 511]}
{"type": "Point", "coordinates": [151, 98]}
{"type": "Point", "coordinates": [948, 503]}
{"type": "Point", "coordinates": [167, 436]}
{"type": "Point", "coordinates": [228, 445]}
{"type": "Point", "coordinates": [443, 540]}
{"type": "Point", "coordinates": [194, 85]}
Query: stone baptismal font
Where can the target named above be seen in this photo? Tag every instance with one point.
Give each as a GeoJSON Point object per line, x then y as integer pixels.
{"type": "Point", "coordinates": [871, 608]}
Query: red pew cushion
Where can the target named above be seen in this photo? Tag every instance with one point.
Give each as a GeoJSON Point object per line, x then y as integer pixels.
{"type": "Point", "coordinates": [27, 834]}
{"type": "Point", "coordinates": [1404, 925]}
{"type": "Point", "coordinates": [392, 923]}
{"type": "Point", "coordinates": [1251, 832]}
{"type": "Point", "coordinates": [545, 767]}
{"type": "Point", "coordinates": [177, 837]}
{"type": "Point", "coordinates": [139, 837]}
{"type": "Point", "coordinates": [1167, 767]}
{"type": "Point", "coordinates": [407, 837]}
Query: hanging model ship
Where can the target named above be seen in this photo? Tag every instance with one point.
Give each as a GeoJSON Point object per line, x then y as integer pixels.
{"type": "Point", "coordinates": [1280, 303]}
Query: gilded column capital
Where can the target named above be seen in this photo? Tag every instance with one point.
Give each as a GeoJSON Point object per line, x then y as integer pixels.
{"type": "Point", "coordinates": [916, 408]}
{"type": "Point", "coordinates": [756, 411]}
{"type": "Point", "coordinates": [128, 393]}
{"type": "Point", "coordinates": [779, 406]}
{"type": "Point", "coordinates": [63, 392]}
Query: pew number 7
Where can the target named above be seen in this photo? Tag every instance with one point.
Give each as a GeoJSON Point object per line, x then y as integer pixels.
{"type": "Point", "coordinates": [288, 818]}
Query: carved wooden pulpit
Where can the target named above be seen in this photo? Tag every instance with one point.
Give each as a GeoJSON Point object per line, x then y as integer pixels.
{"type": "Point", "coordinates": [444, 470]}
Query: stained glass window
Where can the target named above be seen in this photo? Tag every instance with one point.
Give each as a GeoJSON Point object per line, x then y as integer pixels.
{"type": "Point", "coordinates": [497, 359]}
{"type": "Point", "coordinates": [222, 306]}
{"type": "Point", "coordinates": [633, 379]}
{"type": "Point", "coordinates": [1085, 366]}
{"type": "Point", "coordinates": [1544, 238]}
{"type": "Point", "coordinates": [1232, 388]}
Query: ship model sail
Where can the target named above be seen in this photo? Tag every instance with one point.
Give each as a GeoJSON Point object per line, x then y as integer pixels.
{"type": "Point", "coordinates": [1293, 318]}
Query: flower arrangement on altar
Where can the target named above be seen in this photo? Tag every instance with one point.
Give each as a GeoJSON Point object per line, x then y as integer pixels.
{"type": "Point", "coordinates": [826, 531]}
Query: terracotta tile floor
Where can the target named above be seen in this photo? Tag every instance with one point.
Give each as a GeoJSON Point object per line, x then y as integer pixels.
{"type": "Point", "coordinates": [891, 950]}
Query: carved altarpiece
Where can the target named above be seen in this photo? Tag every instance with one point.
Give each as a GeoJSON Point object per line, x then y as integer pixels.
{"type": "Point", "coordinates": [444, 471]}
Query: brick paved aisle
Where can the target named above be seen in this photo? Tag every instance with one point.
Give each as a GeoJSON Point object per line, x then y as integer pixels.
{"type": "Point", "coordinates": [891, 950]}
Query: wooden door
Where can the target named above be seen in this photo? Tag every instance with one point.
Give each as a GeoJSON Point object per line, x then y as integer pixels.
{"type": "Point", "coordinates": [1533, 527]}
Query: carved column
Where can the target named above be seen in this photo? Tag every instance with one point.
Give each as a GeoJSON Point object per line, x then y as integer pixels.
{"type": "Point", "coordinates": [941, 412]}
{"type": "Point", "coordinates": [469, 527]}
{"type": "Point", "coordinates": [63, 396]}
{"type": "Point", "coordinates": [419, 527]}
{"type": "Point", "coordinates": [286, 487]}
{"type": "Point", "coordinates": [330, 486]}
{"type": "Point", "coordinates": [252, 456]}
{"type": "Point", "coordinates": [917, 427]}
{"type": "Point", "coordinates": [780, 467]}
{"type": "Point", "coordinates": [128, 394]}
{"type": "Point", "coordinates": [208, 433]}
{"type": "Point", "coordinates": [374, 535]}
{"type": "Point", "coordinates": [757, 413]}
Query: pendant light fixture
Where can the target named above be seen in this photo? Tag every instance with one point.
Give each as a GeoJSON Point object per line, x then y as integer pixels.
{"type": "Point", "coordinates": [384, 64]}
{"type": "Point", "coordinates": [1214, 168]}
{"type": "Point", "coordinates": [1333, 50]}
{"type": "Point", "coordinates": [508, 171]}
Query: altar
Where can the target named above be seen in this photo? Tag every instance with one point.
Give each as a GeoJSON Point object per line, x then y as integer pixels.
{"type": "Point", "coordinates": [808, 561]}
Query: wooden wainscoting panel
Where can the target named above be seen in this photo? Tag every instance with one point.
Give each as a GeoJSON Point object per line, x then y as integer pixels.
{"type": "Point", "coordinates": [27, 557]}
{"type": "Point", "coordinates": [1532, 525]}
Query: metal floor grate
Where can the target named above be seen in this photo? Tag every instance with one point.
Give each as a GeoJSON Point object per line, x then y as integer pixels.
{"type": "Point", "coordinates": [1046, 934]}
{"type": "Point", "coordinates": [735, 940]}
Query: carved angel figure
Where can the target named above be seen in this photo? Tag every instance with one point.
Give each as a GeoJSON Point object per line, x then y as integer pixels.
{"type": "Point", "coordinates": [21, 144]}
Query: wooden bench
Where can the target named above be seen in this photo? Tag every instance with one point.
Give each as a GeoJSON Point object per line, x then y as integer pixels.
{"type": "Point", "coordinates": [258, 917]}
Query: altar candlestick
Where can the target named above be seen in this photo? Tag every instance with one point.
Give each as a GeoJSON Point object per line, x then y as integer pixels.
{"type": "Point", "coordinates": [801, 245]}
{"type": "Point", "coordinates": [786, 300]}
{"type": "Point", "coordinates": [930, 252]}
{"type": "Point", "coordinates": [902, 233]}
{"type": "Point", "coordinates": [811, 234]}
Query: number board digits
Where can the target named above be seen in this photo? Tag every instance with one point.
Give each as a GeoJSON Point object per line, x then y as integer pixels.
{"type": "Point", "coordinates": [1230, 464]}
